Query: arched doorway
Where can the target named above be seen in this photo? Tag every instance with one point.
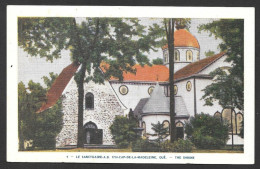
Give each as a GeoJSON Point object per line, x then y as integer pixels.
{"type": "Point", "coordinates": [93, 134]}
{"type": "Point", "coordinates": [179, 130]}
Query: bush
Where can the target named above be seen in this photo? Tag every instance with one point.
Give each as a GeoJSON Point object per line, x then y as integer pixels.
{"type": "Point", "coordinates": [206, 131]}
{"type": "Point", "coordinates": [144, 145]}
{"type": "Point", "coordinates": [178, 146]}
{"type": "Point", "coordinates": [123, 132]}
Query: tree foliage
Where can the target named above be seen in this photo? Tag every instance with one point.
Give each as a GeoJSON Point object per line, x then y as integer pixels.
{"type": "Point", "coordinates": [206, 131]}
{"type": "Point", "coordinates": [119, 42]}
{"type": "Point", "coordinates": [231, 31]}
{"type": "Point", "coordinates": [123, 132]}
{"type": "Point", "coordinates": [157, 61]}
{"type": "Point", "coordinates": [161, 132]}
{"type": "Point", "coordinates": [209, 53]}
{"type": "Point", "coordinates": [43, 127]}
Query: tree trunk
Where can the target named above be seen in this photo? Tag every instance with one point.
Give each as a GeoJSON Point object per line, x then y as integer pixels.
{"type": "Point", "coordinates": [170, 40]}
{"type": "Point", "coordinates": [80, 141]}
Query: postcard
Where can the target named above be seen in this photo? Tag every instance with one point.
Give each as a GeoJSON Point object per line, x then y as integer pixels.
{"type": "Point", "coordinates": [90, 84]}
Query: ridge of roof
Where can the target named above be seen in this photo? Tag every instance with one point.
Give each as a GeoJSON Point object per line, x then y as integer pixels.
{"type": "Point", "coordinates": [196, 67]}
{"type": "Point", "coordinates": [58, 86]}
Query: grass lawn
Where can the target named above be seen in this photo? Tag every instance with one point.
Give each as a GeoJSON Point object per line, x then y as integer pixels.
{"type": "Point", "coordinates": [130, 150]}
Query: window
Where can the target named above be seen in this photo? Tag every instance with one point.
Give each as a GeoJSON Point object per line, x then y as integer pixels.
{"type": "Point", "coordinates": [198, 56]}
{"type": "Point", "coordinates": [150, 90]}
{"type": "Point", "coordinates": [226, 118]}
{"type": "Point", "coordinates": [123, 90]}
{"type": "Point", "coordinates": [166, 56]}
{"type": "Point", "coordinates": [189, 56]}
{"type": "Point", "coordinates": [188, 86]}
{"type": "Point", "coordinates": [89, 101]}
{"type": "Point", "coordinates": [175, 89]}
{"type": "Point", "coordinates": [176, 55]}
{"type": "Point", "coordinates": [217, 115]}
{"type": "Point", "coordinates": [166, 124]}
{"type": "Point", "coordinates": [179, 130]}
{"type": "Point", "coordinates": [239, 122]}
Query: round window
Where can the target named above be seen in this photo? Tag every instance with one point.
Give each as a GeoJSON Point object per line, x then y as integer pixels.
{"type": "Point", "coordinates": [123, 90]}
{"type": "Point", "coordinates": [150, 90]}
{"type": "Point", "coordinates": [175, 89]}
{"type": "Point", "coordinates": [188, 86]}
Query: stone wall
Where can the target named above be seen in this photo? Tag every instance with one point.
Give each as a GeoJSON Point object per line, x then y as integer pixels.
{"type": "Point", "coordinates": [106, 107]}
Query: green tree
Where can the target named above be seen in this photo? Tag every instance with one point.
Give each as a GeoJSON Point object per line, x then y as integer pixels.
{"type": "Point", "coordinates": [48, 125]}
{"type": "Point", "coordinates": [209, 53]}
{"type": "Point", "coordinates": [119, 42]}
{"type": "Point", "coordinates": [231, 31]}
{"type": "Point", "coordinates": [32, 126]}
{"type": "Point", "coordinates": [161, 132]}
{"type": "Point", "coordinates": [48, 82]}
{"type": "Point", "coordinates": [157, 61]}
{"type": "Point", "coordinates": [206, 131]}
{"type": "Point", "coordinates": [123, 132]}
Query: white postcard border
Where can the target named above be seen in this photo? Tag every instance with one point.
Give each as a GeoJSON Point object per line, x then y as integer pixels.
{"type": "Point", "coordinates": [248, 14]}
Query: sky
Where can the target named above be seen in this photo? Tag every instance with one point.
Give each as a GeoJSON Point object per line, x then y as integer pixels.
{"type": "Point", "coordinates": [34, 68]}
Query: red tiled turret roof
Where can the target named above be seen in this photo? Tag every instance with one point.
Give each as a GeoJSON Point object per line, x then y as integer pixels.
{"type": "Point", "coordinates": [183, 38]}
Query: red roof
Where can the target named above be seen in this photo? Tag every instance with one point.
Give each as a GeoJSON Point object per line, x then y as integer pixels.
{"type": "Point", "coordinates": [58, 86]}
{"type": "Point", "coordinates": [145, 73]}
{"type": "Point", "coordinates": [196, 67]}
{"type": "Point", "coordinates": [183, 38]}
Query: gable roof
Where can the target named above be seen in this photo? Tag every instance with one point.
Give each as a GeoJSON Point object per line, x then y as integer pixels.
{"type": "Point", "coordinates": [58, 86]}
{"type": "Point", "coordinates": [196, 67]}
{"type": "Point", "coordinates": [154, 73]}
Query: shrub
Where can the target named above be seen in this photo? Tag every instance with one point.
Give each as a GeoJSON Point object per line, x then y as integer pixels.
{"type": "Point", "coordinates": [178, 146]}
{"type": "Point", "coordinates": [144, 145]}
{"type": "Point", "coordinates": [206, 131]}
{"type": "Point", "coordinates": [123, 132]}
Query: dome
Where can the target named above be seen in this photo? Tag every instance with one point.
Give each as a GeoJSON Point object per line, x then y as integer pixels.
{"type": "Point", "coordinates": [183, 38]}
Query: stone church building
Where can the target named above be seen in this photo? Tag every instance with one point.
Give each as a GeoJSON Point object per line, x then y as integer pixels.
{"type": "Point", "coordinates": [146, 93]}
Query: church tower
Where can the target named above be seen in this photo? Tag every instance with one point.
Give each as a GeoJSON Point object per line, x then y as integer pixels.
{"type": "Point", "coordinates": [186, 50]}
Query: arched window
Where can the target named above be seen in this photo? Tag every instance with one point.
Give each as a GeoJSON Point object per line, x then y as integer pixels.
{"type": "Point", "coordinates": [150, 90]}
{"type": "Point", "coordinates": [226, 118]}
{"type": "Point", "coordinates": [189, 56]}
{"type": "Point", "coordinates": [180, 130]}
{"type": "Point", "coordinates": [239, 121]}
{"type": "Point", "coordinates": [188, 86]}
{"type": "Point", "coordinates": [89, 101]}
{"type": "Point", "coordinates": [144, 127]}
{"type": "Point", "coordinates": [217, 115]}
{"type": "Point", "coordinates": [175, 89]}
{"type": "Point", "coordinates": [176, 55]}
{"type": "Point", "coordinates": [165, 56]}
{"type": "Point", "coordinates": [166, 124]}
